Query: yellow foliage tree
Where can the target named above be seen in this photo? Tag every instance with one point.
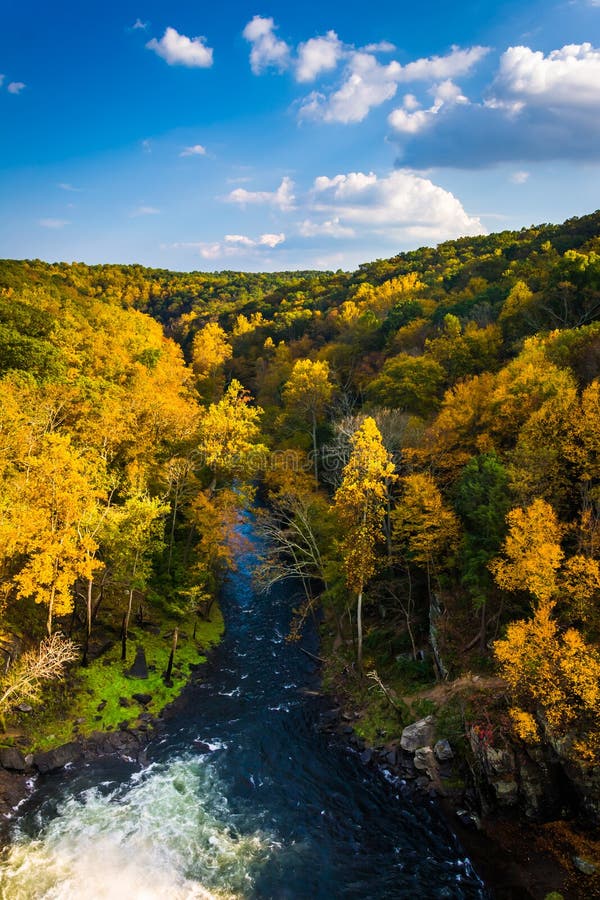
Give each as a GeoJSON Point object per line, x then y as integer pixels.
{"type": "Point", "coordinates": [360, 504]}
{"type": "Point", "coordinates": [557, 676]}
{"type": "Point", "coordinates": [306, 395]}
{"type": "Point", "coordinates": [210, 351]}
{"type": "Point", "coordinates": [229, 435]}
{"type": "Point", "coordinates": [58, 493]}
{"type": "Point", "coordinates": [532, 552]}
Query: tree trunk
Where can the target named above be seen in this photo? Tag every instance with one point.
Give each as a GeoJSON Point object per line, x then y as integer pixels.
{"type": "Point", "coordinates": [172, 535]}
{"type": "Point", "coordinates": [408, 614]}
{"type": "Point", "coordinates": [50, 611]}
{"type": "Point", "coordinates": [171, 657]}
{"type": "Point", "coordinates": [124, 638]}
{"type": "Point", "coordinates": [483, 628]}
{"type": "Point", "coordinates": [359, 632]}
{"type": "Point", "coordinates": [125, 629]}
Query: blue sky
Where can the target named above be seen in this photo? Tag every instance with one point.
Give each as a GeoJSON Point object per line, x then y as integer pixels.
{"type": "Point", "coordinates": [265, 136]}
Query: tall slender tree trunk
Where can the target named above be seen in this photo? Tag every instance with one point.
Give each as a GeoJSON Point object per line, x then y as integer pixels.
{"type": "Point", "coordinates": [359, 632]}
{"type": "Point", "coordinates": [88, 624]}
{"type": "Point", "coordinates": [50, 610]}
{"type": "Point", "coordinates": [173, 521]}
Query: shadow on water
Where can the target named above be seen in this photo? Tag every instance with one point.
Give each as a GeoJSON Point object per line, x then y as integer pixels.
{"type": "Point", "coordinates": [243, 796]}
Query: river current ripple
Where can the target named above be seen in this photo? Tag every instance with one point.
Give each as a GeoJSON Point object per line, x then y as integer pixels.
{"type": "Point", "coordinates": [243, 797]}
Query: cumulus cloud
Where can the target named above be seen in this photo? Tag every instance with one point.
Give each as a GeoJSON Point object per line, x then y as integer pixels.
{"type": "Point", "coordinates": [433, 68]}
{"type": "Point", "coordinates": [538, 107]}
{"type": "Point", "coordinates": [268, 51]}
{"type": "Point", "coordinates": [368, 83]}
{"type": "Point", "coordinates": [265, 240]}
{"type": "Point", "coordinates": [179, 50]}
{"type": "Point", "coordinates": [194, 150]}
{"type": "Point", "coordinates": [317, 55]}
{"type": "Point", "coordinates": [409, 119]}
{"type": "Point", "coordinates": [233, 245]}
{"type": "Point", "coordinates": [402, 204]}
{"type": "Point", "coordinates": [330, 228]}
{"type": "Point", "coordinates": [566, 77]}
{"type": "Point", "coordinates": [15, 87]}
{"type": "Point", "coordinates": [282, 198]}
{"type": "Point", "coordinates": [53, 223]}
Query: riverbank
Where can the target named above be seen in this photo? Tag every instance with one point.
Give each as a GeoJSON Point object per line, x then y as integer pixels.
{"type": "Point", "coordinates": [518, 859]}
{"type": "Point", "coordinates": [109, 707]}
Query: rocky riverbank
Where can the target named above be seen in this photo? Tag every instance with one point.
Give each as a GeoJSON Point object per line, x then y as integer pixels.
{"type": "Point", "coordinates": [519, 858]}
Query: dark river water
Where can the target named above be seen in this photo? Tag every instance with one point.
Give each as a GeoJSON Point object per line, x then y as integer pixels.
{"type": "Point", "coordinates": [243, 796]}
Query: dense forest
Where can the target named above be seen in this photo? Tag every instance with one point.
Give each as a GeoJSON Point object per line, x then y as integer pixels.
{"type": "Point", "coordinates": [420, 440]}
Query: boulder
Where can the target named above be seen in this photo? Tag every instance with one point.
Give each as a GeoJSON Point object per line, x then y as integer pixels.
{"type": "Point", "coordinates": [443, 751]}
{"type": "Point", "coordinates": [11, 758]}
{"type": "Point", "coordinates": [507, 792]}
{"type": "Point", "coordinates": [391, 757]}
{"type": "Point", "coordinates": [425, 761]}
{"type": "Point", "coordinates": [142, 699]}
{"type": "Point", "coordinates": [366, 756]}
{"type": "Point", "coordinates": [56, 759]}
{"type": "Point", "coordinates": [419, 734]}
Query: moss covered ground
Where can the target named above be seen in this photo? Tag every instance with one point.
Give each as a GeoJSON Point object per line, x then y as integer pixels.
{"type": "Point", "coordinates": [99, 697]}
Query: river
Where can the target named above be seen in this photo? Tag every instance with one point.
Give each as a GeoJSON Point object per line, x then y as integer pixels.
{"type": "Point", "coordinates": [243, 797]}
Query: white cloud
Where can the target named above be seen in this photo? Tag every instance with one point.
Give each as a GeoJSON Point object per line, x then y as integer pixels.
{"type": "Point", "coordinates": [64, 186]}
{"type": "Point", "coordinates": [144, 211]}
{"type": "Point", "coordinates": [368, 84]}
{"type": "Point", "coordinates": [271, 240]}
{"type": "Point", "coordinates": [15, 87]}
{"type": "Point", "coordinates": [381, 47]}
{"type": "Point", "coordinates": [408, 119]}
{"type": "Point", "coordinates": [539, 107]}
{"type": "Point", "coordinates": [435, 68]}
{"type": "Point", "coordinates": [179, 50]}
{"type": "Point", "coordinates": [195, 150]}
{"type": "Point", "coordinates": [53, 223]}
{"type": "Point", "coordinates": [330, 228]}
{"type": "Point", "coordinates": [234, 244]}
{"type": "Point", "coordinates": [214, 251]}
{"type": "Point", "coordinates": [239, 239]}
{"type": "Point", "coordinates": [147, 146]}
{"type": "Point", "coordinates": [138, 24]}
{"type": "Point", "coordinates": [401, 204]}
{"type": "Point", "coordinates": [320, 54]}
{"type": "Point", "coordinates": [566, 77]}
{"type": "Point", "coordinates": [267, 49]}
{"type": "Point", "coordinates": [519, 177]}
{"type": "Point", "coordinates": [282, 198]}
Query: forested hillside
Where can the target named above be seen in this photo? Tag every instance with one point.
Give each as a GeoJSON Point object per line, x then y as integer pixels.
{"type": "Point", "coordinates": [425, 432]}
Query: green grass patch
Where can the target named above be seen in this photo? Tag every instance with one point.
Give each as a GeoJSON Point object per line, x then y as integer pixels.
{"type": "Point", "coordinates": [90, 699]}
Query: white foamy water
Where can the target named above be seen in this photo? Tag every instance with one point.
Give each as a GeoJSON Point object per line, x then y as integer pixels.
{"type": "Point", "coordinates": [168, 834]}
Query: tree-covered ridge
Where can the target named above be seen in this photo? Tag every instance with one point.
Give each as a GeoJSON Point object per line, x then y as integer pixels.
{"type": "Point", "coordinates": [433, 473]}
